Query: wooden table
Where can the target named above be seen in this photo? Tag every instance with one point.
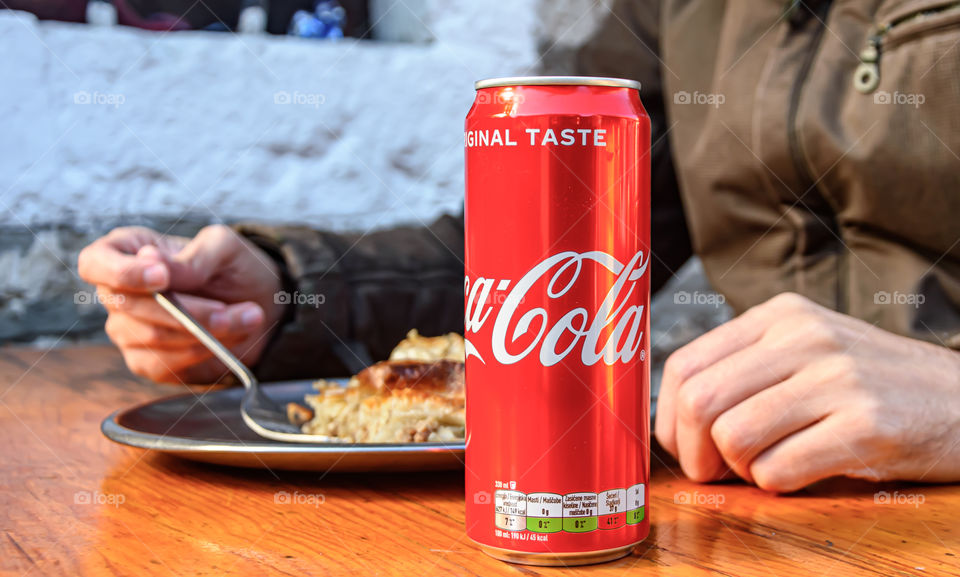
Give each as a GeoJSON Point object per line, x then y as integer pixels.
{"type": "Point", "coordinates": [153, 514]}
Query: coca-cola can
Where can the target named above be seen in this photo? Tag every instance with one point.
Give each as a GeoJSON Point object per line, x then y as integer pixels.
{"type": "Point", "coordinates": [557, 298]}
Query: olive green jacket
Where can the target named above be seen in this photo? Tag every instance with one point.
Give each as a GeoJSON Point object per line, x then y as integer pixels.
{"type": "Point", "coordinates": [811, 147]}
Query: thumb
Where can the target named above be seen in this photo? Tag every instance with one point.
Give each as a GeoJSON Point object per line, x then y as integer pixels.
{"type": "Point", "coordinates": [156, 273]}
{"type": "Point", "coordinates": [202, 258]}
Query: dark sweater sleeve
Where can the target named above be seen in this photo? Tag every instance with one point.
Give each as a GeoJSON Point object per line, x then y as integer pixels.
{"type": "Point", "coordinates": [353, 297]}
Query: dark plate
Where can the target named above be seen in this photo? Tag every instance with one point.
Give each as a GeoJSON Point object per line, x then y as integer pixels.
{"type": "Point", "coordinates": [207, 427]}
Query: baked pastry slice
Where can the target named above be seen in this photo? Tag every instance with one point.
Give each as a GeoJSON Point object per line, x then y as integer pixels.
{"type": "Point", "coordinates": [416, 396]}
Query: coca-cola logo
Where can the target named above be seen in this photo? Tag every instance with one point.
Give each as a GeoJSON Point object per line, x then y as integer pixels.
{"type": "Point", "coordinates": [612, 332]}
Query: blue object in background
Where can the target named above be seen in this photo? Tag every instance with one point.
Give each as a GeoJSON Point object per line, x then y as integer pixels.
{"type": "Point", "coordinates": [326, 21]}
{"type": "Point", "coordinates": [217, 27]}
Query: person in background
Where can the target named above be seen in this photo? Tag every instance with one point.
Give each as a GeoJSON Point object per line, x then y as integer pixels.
{"type": "Point", "coordinates": [788, 155]}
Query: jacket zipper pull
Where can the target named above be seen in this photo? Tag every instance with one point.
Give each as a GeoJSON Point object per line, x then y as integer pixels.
{"type": "Point", "coordinates": [867, 77]}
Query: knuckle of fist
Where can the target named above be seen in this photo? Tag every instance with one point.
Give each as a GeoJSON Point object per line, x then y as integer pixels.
{"type": "Point", "coordinates": [699, 473]}
{"type": "Point", "coordinates": [811, 328]}
{"type": "Point", "coordinates": [844, 370]}
{"type": "Point", "coordinates": [841, 372]}
{"type": "Point", "coordinates": [678, 367]}
{"type": "Point", "coordinates": [694, 403]}
{"type": "Point", "coordinates": [790, 301]}
{"type": "Point", "coordinates": [827, 334]}
{"type": "Point", "coordinates": [770, 478]}
{"type": "Point", "coordinates": [732, 441]}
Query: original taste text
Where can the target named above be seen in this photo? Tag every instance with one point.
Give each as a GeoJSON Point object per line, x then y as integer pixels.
{"type": "Point", "coordinates": [536, 137]}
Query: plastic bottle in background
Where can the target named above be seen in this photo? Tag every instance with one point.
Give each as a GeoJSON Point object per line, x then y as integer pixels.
{"type": "Point", "coordinates": [326, 21]}
{"type": "Point", "coordinates": [253, 17]}
{"type": "Point", "coordinates": [101, 13]}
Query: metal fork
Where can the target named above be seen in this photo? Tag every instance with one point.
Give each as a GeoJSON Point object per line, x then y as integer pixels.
{"type": "Point", "coordinates": [264, 416]}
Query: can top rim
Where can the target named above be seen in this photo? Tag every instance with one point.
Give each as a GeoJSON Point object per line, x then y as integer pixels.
{"type": "Point", "coordinates": [557, 81]}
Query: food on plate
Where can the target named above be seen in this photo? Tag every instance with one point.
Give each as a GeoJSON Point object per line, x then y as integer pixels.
{"type": "Point", "coordinates": [415, 396]}
{"type": "Point", "coordinates": [417, 347]}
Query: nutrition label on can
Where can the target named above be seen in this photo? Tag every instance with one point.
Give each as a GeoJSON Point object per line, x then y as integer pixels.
{"type": "Point", "coordinates": [570, 512]}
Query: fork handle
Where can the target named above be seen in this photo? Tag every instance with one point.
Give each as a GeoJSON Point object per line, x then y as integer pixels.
{"type": "Point", "coordinates": [236, 366]}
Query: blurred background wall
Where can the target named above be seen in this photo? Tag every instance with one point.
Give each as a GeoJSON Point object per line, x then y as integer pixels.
{"type": "Point", "coordinates": [175, 130]}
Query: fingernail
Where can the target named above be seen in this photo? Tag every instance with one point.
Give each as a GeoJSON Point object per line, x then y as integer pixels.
{"type": "Point", "coordinates": [219, 321]}
{"type": "Point", "coordinates": [155, 275]}
{"type": "Point", "coordinates": [251, 317]}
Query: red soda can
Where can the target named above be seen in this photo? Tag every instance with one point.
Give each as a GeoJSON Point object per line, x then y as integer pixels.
{"type": "Point", "coordinates": [557, 298]}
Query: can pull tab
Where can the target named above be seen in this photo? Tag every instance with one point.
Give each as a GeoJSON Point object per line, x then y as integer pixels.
{"type": "Point", "coordinates": [867, 77]}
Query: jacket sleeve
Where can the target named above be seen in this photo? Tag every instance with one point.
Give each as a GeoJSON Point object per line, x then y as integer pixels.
{"type": "Point", "coordinates": [353, 297]}
{"type": "Point", "coordinates": [626, 44]}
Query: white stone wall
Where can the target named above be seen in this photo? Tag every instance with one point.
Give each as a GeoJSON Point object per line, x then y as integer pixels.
{"type": "Point", "coordinates": [114, 122]}
{"type": "Point", "coordinates": [100, 127]}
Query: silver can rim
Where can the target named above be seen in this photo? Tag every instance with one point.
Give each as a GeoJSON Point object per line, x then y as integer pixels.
{"type": "Point", "coordinates": [557, 81]}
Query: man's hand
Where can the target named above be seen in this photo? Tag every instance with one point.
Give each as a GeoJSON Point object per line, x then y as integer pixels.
{"type": "Point", "coordinates": [790, 393]}
{"type": "Point", "coordinates": [223, 280]}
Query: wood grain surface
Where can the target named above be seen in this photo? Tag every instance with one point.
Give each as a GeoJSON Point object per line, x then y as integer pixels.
{"type": "Point", "coordinates": [74, 503]}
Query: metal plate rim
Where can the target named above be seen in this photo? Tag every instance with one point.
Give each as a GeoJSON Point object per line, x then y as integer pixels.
{"type": "Point", "coordinates": [113, 430]}
{"type": "Point", "coordinates": [132, 438]}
